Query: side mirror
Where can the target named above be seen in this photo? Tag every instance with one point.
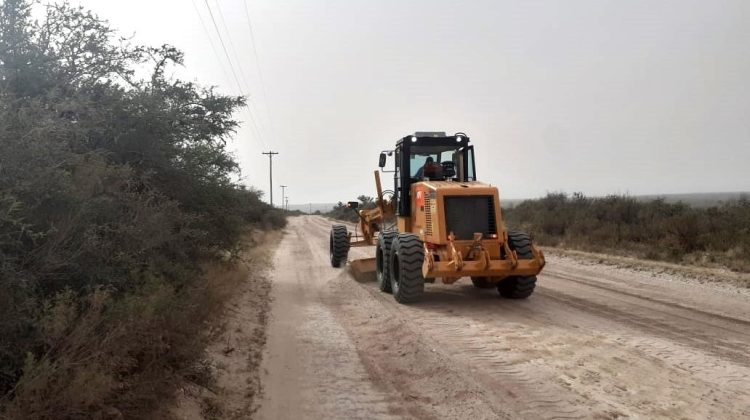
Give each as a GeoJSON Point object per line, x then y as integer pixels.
{"type": "Point", "coordinates": [381, 162]}
{"type": "Point", "coordinates": [352, 204]}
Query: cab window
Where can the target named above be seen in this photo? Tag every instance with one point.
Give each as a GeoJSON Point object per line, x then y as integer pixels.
{"type": "Point", "coordinates": [436, 155]}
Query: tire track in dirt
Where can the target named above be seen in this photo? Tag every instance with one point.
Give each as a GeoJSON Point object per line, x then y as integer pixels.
{"type": "Point", "coordinates": [643, 294]}
{"type": "Point", "coordinates": [656, 323]}
{"type": "Point", "coordinates": [704, 357]}
{"type": "Point", "coordinates": [312, 367]}
{"type": "Point", "coordinates": [587, 344]}
{"type": "Point", "coordinates": [692, 346]}
{"type": "Point", "coordinates": [487, 353]}
{"type": "Point", "coordinates": [695, 296]}
{"type": "Point", "coordinates": [427, 385]}
{"type": "Point", "coordinates": [538, 355]}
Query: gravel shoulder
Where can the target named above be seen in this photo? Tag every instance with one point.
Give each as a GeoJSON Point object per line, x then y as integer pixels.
{"type": "Point", "coordinates": [237, 340]}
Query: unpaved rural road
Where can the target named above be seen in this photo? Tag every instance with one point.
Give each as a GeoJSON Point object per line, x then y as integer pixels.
{"type": "Point", "coordinates": [592, 342]}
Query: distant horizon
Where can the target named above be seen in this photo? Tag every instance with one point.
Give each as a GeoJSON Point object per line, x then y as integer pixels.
{"type": "Point", "coordinates": [732, 194]}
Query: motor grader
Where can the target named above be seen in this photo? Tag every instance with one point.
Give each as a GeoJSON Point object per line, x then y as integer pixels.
{"type": "Point", "coordinates": [438, 222]}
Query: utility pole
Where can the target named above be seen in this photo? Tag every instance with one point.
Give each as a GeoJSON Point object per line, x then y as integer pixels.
{"type": "Point", "coordinates": [283, 194]}
{"type": "Point", "coordinates": [287, 203]}
{"type": "Point", "coordinates": [270, 154]}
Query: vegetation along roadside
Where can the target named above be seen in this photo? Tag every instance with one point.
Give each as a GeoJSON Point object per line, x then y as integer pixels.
{"type": "Point", "coordinates": [116, 196]}
{"type": "Point", "coordinates": [716, 235]}
{"type": "Point", "coordinates": [713, 236]}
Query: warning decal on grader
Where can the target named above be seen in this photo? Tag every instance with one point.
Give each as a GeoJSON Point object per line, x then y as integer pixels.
{"type": "Point", "coordinates": [420, 197]}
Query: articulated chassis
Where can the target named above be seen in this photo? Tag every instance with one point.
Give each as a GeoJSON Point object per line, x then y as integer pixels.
{"type": "Point", "coordinates": [451, 261]}
{"type": "Point", "coordinates": [372, 220]}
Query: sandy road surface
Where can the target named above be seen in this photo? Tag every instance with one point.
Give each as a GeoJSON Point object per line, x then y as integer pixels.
{"type": "Point", "coordinates": [592, 342]}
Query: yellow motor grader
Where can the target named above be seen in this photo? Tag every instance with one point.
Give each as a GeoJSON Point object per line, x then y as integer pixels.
{"type": "Point", "coordinates": [438, 222]}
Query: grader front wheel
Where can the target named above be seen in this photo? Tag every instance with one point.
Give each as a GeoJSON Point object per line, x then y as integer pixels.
{"type": "Point", "coordinates": [518, 287]}
{"type": "Point", "coordinates": [407, 255]}
{"type": "Point", "coordinates": [338, 245]}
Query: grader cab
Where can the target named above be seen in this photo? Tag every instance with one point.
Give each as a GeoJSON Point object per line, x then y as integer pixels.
{"type": "Point", "coordinates": [438, 222]}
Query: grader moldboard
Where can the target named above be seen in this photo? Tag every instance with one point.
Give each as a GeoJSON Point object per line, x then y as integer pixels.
{"type": "Point", "coordinates": [438, 222]}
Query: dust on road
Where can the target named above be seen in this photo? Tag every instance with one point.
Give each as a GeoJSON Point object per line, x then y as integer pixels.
{"type": "Point", "coordinates": [592, 342]}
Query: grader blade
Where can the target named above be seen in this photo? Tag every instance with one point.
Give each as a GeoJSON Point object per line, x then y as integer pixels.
{"type": "Point", "coordinates": [363, 269]}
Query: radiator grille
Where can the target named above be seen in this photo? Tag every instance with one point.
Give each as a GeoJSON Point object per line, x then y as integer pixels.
{"type": "Point", "coordinates": [466, 215]}
{"type": "Point", "coordinates": [428, 216]}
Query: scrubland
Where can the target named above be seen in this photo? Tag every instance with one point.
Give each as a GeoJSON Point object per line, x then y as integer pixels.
{"type": "Point", "coordinates": [120, 218]}
{"type": "Point", "coordinates": [717, 235]}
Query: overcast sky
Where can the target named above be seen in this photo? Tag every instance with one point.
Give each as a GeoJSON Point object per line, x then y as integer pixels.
{"type": "Point", "coordinates": [638, 97]}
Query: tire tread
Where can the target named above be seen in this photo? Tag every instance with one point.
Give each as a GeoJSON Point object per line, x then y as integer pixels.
{"type": "Point", "coordinates": [339, 246]}
{"type": "Point", "coordinates": [408, 248]}
{"type": "Point", "coordinates": [518, 287]}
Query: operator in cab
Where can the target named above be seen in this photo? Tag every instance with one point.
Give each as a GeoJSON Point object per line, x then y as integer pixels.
{"type": "Point", "coordinates": [430, 170]}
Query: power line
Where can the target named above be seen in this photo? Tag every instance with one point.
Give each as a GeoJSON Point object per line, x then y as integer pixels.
{"type": "Point", "coordinates": [258, 67]}
{"type": "Point", "coordinates": [231, 45]}
{"type": "Point", "coordinates": [253, 121]}
{"type": "Point", "coordinates": [211, 42]}
{"type": "Point", "coordinates": [241, 69]}
{"type": "Point", "coordinates": [254, 125]}
{"type": "Point", "coordinates": [224, 47]}
{"type": "Point", "coordinates": [234, 73]}
{"type": "Point", "coordinates": [254, 128]}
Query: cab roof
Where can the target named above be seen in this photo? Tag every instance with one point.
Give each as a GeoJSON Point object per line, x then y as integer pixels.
{"type": "Point", "coordinates": [437, 138]}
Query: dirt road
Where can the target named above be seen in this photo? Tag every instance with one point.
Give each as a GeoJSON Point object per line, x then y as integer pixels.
{"type": "Point", "coordinates": [592, 342]}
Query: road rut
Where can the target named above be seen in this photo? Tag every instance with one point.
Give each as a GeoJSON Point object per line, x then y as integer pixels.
{"type": "Point", "coordinates": [592, 342]}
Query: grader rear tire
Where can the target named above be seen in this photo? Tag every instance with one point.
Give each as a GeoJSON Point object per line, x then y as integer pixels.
{"type": "Point", "coordinates": [482, 283]}
{"type": "Point", "coordinates": [339, 245]}
{"type": "Point", "coordinates": [407, 255]}
{"type": "Point", "coordinates": [518, 287]}
{"type": "Point", "coordinates": [382, 261]}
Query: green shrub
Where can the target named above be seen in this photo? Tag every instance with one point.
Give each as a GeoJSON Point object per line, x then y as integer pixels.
{"type": "Point", "coordinates": [342, 212]}
{"type": "Point", "coordinates": [654, 229]}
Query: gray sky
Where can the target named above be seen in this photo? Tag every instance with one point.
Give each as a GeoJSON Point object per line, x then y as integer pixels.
{"type": "Point", "coordinates": [639, 97]}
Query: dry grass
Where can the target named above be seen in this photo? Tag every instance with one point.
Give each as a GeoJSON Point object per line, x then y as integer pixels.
{"type": "Point", "coordinates": [237, 340]}
{"type": "Point", "coordinates": [717, 236]}
{"type": "Point", "coordinates": [124, 357]}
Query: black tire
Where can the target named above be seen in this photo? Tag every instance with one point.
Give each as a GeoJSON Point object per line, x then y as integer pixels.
{"type": "Point", "coordinates": [339, 245]}
{"type": "Point", "coordinates": [407, 256]}
{"type": "Point", "coordinates": [482, 283]}
{"type": "Point", "coordinates": [382, 261]}
{"type": "Point", "coordinates": [518, 287]}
